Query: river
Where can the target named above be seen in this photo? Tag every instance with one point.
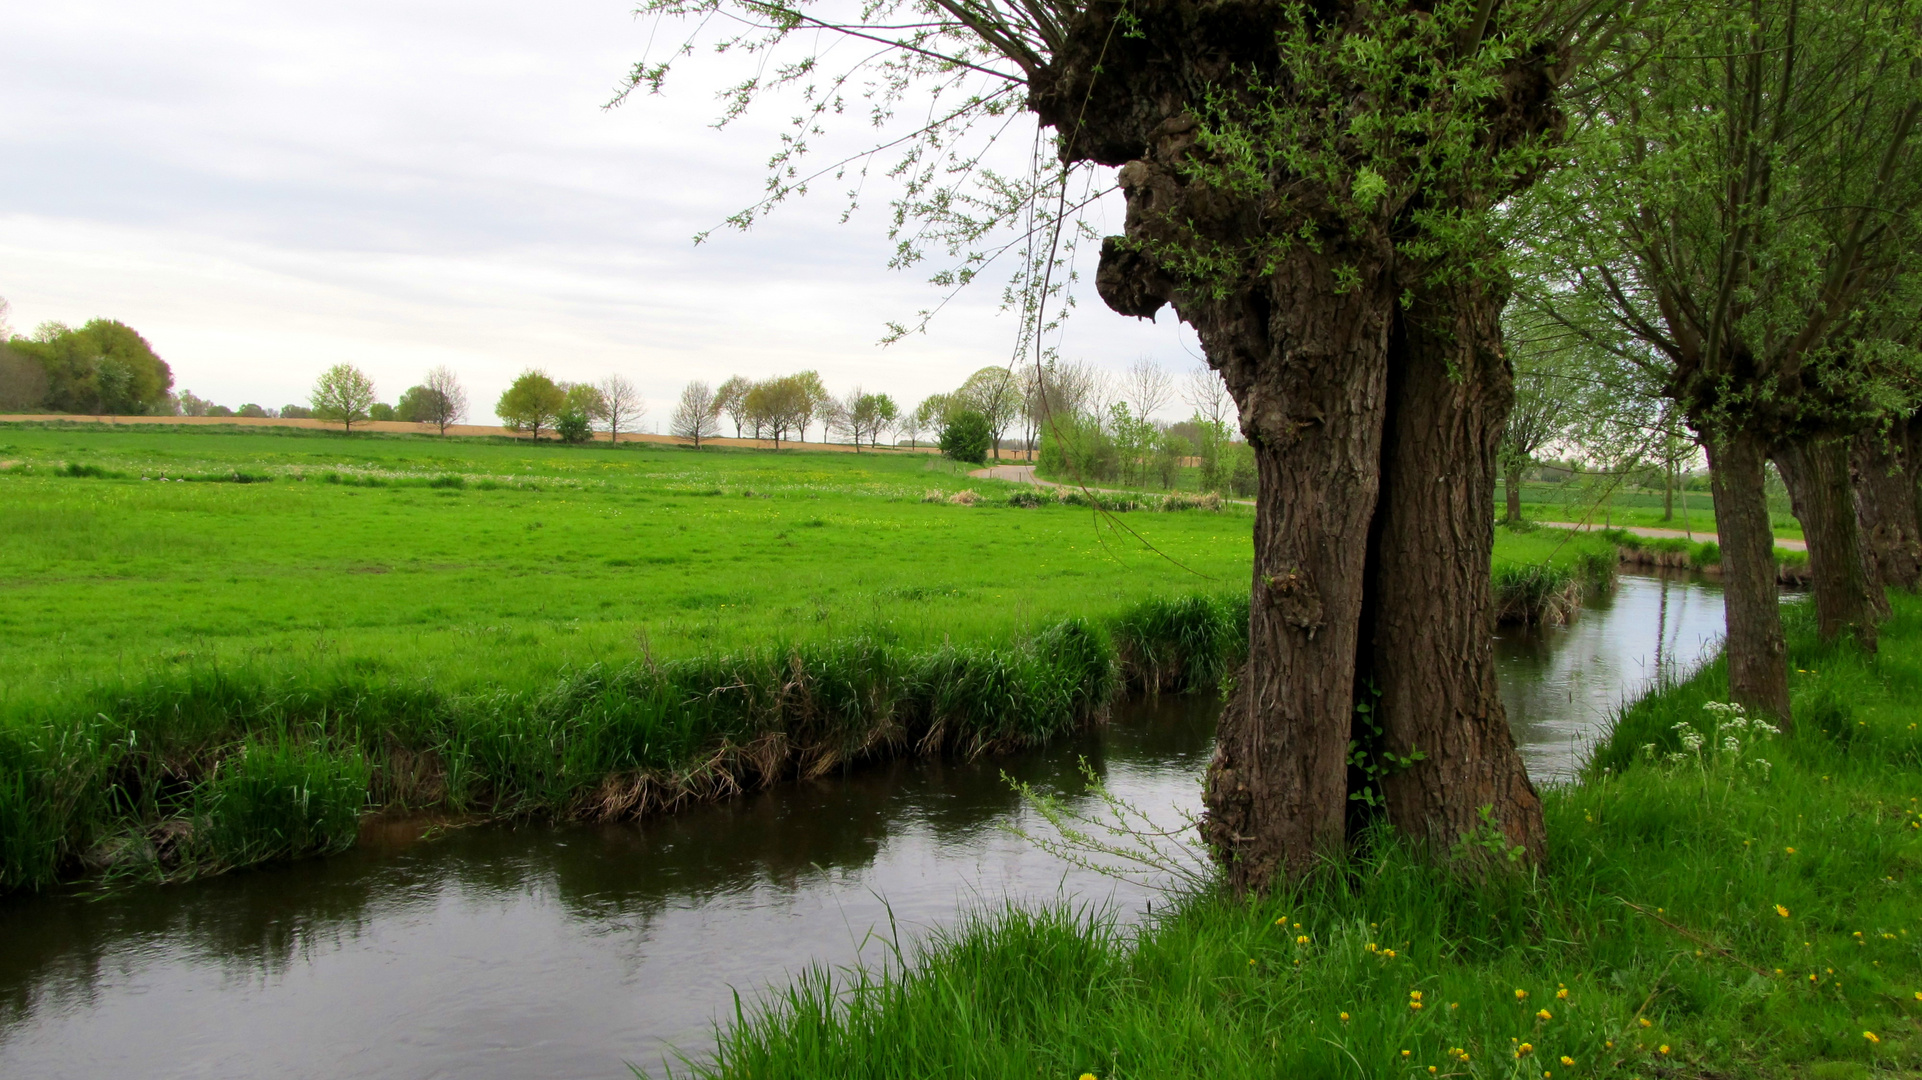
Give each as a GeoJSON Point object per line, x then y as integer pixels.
{"type": "Point", "coordinates": [572, 951]}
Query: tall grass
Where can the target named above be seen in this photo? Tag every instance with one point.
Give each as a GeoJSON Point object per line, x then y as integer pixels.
{"type": "Point", "coordinates": [1695, 917]}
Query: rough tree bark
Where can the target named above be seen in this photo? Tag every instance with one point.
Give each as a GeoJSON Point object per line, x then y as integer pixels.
{"type": "Point", "coordinates": [1757, 650]}
{"type": "Point", "coordinates": [1816, 472]}
{"type": "Point", "coordinates": [1886, 508]}
{"type": "Point", "coordinates": [1303, 342]}
{"type": "Point", "coordinates": [1432, 625]}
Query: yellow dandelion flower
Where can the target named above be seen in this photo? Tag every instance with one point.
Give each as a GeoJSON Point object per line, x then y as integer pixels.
{"type": "Point", "coordinates": [1521, 995]}
{"type": "Point", "coordinates": [1283, 921]}
{"type": "Point", "coordinates": [1528, 1048]}
{"type": "Point", "coordinates": [1251, 961]}
{"type": "Point", "coordinates": [1414, 995]}
{"type": "Point", "coordinates": [1645, 1022]}
{"type": "Point", "coordinates": [1566, 1060]}
{"type": "Point", "coordinates": [1870, 1036]}
{"type": "Point", "coordinates": [1405, 1053]}
{"type": "Point", "coordinates": [1662, 1049]}
{"type": "Point", "coordinates": [1088, 1076]}
{"type": "Point", "coordinates": [1301, 939]}
{"type": "Point", "coordinates": [1609, 1045]}
{"type": "Point", "coordinates": [1562, 994]}
{"type": "Point", "coordinates": [1544, 1014]}
{"type": "Point", "coordinates": [1389, 953]}
{"type": "Point", "coordinates": [1791, 851]}
{"type": "Point", "coordinates": [1344, 1018]}
{"type": "Point", "coordinates": [1415, 1005]}
{"type": "Point", "coordinates": [1782, 911]}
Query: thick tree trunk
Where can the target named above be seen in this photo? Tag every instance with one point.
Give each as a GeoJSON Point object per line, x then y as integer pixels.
{"type": "Point", "coordinates": [1757, 651]}
{"type": "Point", "coordinates": [1886, 509]}
{"type": "Point", "coordinates": [1308, 366]}
{"type": "Point", "coordinates": [1432, 653]}
{"type": "Point", "coordinates": [1816, 472]}
{"type": "Point", "coordinates": [1512, 484]}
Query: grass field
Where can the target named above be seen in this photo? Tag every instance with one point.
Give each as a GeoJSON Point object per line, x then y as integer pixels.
{"type": "Point", "coordinates": [1699, 915]}
{"type": "Point", "coordinates": [1618, 506]}
{"type": "Point", "coordinates": [463, 560]}
{"type": "Point", "coordinates": [199, 623]}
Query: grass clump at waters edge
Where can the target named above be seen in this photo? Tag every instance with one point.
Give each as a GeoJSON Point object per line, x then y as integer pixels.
{"type": "Point", "coordinates": [1698, 915]}
{"type": "Point", "coordinates": [200, 770]}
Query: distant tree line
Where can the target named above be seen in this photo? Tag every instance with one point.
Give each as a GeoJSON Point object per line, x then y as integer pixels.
{"type": "Point", "coordinates": [103, 367]}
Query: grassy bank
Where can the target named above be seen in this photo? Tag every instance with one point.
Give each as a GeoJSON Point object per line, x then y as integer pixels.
{"type": "Point", "coordinates": [1699, 915]}
{"type": "Point", "coordinates": [200, 770]}
{"type": "Point", "coordinates": [1674, 552]}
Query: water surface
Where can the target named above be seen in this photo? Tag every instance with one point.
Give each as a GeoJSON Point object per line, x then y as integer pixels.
{"type": "Point", "coordinates": [565, 952]}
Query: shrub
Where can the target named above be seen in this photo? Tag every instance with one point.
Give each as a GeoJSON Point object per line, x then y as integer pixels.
{"type": "Point", "coordinates": [967, 437]}
{"type": "Point", "coordinates": [964, 498]}
{"type": "Point", "coordinates": [572, 427]}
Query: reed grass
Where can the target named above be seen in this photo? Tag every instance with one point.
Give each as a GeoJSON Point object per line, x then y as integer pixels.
{"type": "Point", "coordinates": [1700, 917]}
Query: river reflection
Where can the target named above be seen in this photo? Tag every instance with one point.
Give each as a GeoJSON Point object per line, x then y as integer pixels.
{"type": "Point", "coordinates": [562, 952]}
{"type": "Point", "coordinates": [1561, 684]}
{"type": "Point", "coordinates": [540, 951]}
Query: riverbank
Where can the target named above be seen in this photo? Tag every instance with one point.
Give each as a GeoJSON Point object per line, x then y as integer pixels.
{"type": "Point", "coordinates": [187, 773]}
{"type": "Point", "coordinates": [1699, 914]}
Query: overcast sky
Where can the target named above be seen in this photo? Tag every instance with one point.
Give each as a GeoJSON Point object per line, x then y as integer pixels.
{"type": "Point", "coordinates": [266, 189]}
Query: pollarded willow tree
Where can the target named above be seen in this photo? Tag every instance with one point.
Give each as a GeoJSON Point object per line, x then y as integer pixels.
{"type": "Point", "coordinates": [1744, 222]}
{"type": "Point", "coordinates": [1310, 188]}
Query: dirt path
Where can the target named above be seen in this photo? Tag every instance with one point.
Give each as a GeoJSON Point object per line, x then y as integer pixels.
{"type": "Point", "coordinates": [1663, 534]}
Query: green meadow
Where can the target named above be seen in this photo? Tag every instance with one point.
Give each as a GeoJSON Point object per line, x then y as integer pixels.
{"type": "Point", "coordinates": [473, 561]}
{"type": "Point", "coordinates": [223, 647]}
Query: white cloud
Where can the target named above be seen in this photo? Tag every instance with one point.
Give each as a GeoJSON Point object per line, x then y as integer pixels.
{"type": "Point", "coordinates": [264, 190]}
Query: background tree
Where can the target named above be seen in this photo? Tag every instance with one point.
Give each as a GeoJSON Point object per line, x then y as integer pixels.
{"type": "Point", "coordinates": [931, 416]}
{"type": "Point", "coordinates": [103, 368]}
{"type": "Point", "coordinates": [580, 403]}
{"type": "Point", "coordinates": [343, 394]}
{"type": "Point", "coordinates": [621, 406]}
{"type": "Point", "coordinates": [6, 323]}
{"type": "Point", "coordinates": [911, 425]}
{"type": "Point", "coordinates": [730, 398]}
{"type": "Point", "coordinates": [573, 426]}
{"type": "Point", "coordinates": [1147, 387]}
{"type": "Point", "coordinates": [1735, 207]}
{"type": "Point", "coordinates": [296, 412]}
{"type": "Point", "coordinates": [697, 416]}
{"type": "Point", "coordinates": [23, 381]}
{"type": "Point", "coordinates": [966, 436]}
{"type": "Point", "coordinates": [886, 415]}
{"type": "Point", "coordinates": [446, 401]}
{"type": "Point", "coordinates": [1207, 395]}
{"type": "Point", "coordinates": [256, 412]}
{"type": "Point", "coordinates": [814, 397]}
{"type": "Point", "coordinates": [777, 407]}
{"type": "Point", "coordinates": [413, 405]}
{"type": "Point", "coordinates": [379, 410]}
{"type": "Point", "coordinates": [994, 393]}
{"type": "Point", "coordinates": [192, 404]}
{"type": "Point", "coordinates": [531, 403]}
